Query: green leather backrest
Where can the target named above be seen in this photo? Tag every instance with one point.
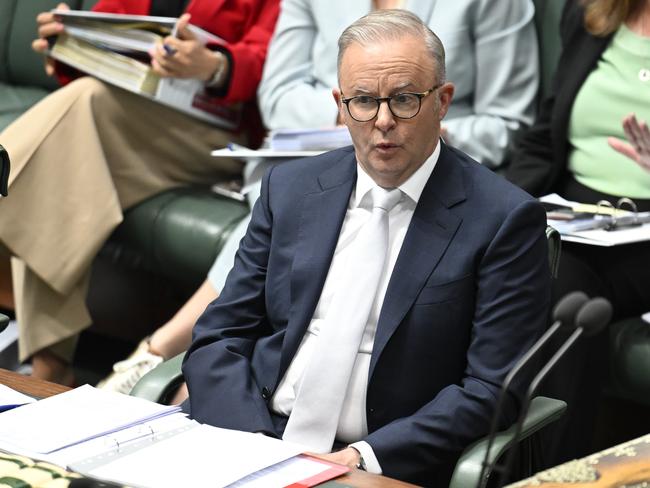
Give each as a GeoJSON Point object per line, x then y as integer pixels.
{"type": "Point", "coordinates": [19, 65]}
{"type": "Point", "coordinates": [547, 22]}
{"type": "Point", "coordinates": [6, 14]}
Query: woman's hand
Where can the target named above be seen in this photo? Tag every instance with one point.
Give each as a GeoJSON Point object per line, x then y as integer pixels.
{"type": "Point", "coordinates": [48, 26]}
{"type": "Point", "coordinates": [184, 56]}
{"type": "Point", "coordinates": [638, 147]}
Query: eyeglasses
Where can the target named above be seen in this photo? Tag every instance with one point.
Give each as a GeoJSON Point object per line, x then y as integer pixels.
{"type": "Point", "coordinates": [363, 108]}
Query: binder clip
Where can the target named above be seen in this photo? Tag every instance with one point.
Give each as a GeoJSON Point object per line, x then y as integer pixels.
{"type": "Point", "coordinates": [617, 222]}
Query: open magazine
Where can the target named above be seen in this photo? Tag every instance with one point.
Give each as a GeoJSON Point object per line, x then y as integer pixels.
{"type": "Point", "coordinates": [115, 48]}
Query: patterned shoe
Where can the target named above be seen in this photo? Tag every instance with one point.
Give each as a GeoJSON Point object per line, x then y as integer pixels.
{"type": "Point", "coordinates": [127, 373]}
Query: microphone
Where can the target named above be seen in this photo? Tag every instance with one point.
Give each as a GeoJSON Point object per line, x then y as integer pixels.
{"type": "Point", "coordinates": [564, 313]}
{"type": "Point", "coordinates": [592, 317]}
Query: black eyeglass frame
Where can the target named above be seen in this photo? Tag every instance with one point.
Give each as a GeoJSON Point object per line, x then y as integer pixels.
{"type": "Point", "coordinates": [380, 100]}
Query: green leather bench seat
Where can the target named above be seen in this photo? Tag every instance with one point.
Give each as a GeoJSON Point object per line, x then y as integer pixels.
{"type": "Point", "coordinates": [14, 100]}
{"type": "Point", "coordinates": [23, 81]}
{"type": "Point", "coordinates": [176, 234]}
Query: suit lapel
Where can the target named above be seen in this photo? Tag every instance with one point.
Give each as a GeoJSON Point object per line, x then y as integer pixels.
{"type": "Point", "coordinates": [431, 230]}
{"type": "Point", "coordinates": [320, 224]}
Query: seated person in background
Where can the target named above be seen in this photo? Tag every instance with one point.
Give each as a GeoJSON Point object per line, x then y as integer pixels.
{"type": "Point", "coordinates": [602, 76]}
{"type": "Point", "coordinates": [492, 59]}
{"type": "Point", "coordinates": [382, 291]}
{"type": "Point", "coordinates": [89, 150]}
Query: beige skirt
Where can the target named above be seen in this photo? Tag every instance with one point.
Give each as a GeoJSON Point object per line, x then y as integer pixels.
{"type": "Point", "coordinates": [79, 158]}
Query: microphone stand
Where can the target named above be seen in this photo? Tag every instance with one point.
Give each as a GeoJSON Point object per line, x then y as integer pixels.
{"type": "Point", "coordinates": [505, 471]}
{"type": "Point", "coordinates": [591, 319]}
{"type": "Point", "coordinates": [485, 464]}
{"type": "Point", "coordinates": [564, 312]}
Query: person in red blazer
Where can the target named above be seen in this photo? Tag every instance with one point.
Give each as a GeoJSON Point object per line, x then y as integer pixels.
{"type": "Point", "coordinates": [93, 150]}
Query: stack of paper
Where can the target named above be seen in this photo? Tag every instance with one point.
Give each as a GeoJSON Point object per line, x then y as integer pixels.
{"type": "Point", "coordinates": [595, 225]}
{"type": "Point", "coordinates": [73, 417]}
{"type": "Point", "coordinates": [310, 139]}
{"type": "Point", "coordinates": [135, 442]}
{"type": "Point", "coordinates": [115, 48]}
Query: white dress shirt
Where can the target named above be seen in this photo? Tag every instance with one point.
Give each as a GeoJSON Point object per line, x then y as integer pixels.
{"type": "Point", "coordinates": [352, 423]}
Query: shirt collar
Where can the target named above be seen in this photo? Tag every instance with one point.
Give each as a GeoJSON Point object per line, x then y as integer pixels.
{"type": "Point", "coordinates": [412, 187]}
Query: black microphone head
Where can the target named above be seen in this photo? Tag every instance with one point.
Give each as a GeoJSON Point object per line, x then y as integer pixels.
{"type": "Point", "coordinates": [566, 309]}
{"type": "Point", "coordinates": [594, 316]}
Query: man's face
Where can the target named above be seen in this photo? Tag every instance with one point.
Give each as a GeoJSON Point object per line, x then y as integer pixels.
{"type": "Point", "coordinates": [388, 148]}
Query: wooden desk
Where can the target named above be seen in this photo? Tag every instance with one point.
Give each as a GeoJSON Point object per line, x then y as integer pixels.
{"type": "Point", "coordinates": [30, 386]}
{"type": "Point", "coordinates": [42, 389]}
{"type": "Point", "coordinates": [624, 466]}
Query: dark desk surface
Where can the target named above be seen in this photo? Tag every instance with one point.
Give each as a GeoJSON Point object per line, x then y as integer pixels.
{"type": "Point", "coordinates": [42, 389]}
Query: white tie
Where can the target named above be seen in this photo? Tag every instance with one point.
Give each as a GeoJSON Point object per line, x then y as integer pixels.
{"type": "Point", "coordinates": [315, 416]}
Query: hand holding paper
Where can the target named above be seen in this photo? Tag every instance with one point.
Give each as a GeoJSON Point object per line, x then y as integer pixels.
{"type": "Point", "coordinates": [48, 26]}
{"type": "Point", "coordinates": [182, 55]}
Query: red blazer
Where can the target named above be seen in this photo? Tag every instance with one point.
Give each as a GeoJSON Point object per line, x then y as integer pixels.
{"type": "Point", "coordinates": [245, 25]}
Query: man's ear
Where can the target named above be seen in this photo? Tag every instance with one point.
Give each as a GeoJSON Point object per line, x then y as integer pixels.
{"type": "Point", "coordinates": [336, 93]}
{"type": "Point", "coordinates": [445, 95]}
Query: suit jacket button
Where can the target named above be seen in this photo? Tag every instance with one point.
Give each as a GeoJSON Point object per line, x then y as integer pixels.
{"type": "Point", "coordinates": [266, 393]}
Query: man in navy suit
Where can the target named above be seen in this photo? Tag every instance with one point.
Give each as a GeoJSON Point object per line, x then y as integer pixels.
{"type": "Point", "coordinates": [463, 293]}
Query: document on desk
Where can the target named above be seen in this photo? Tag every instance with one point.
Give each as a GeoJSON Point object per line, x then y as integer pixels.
{"type": "Point", "coordinates": [199, 456]}
{"type": "Point", "coordinates": [73, 417]}
{"type": "Point", "coordinates": [596, 225]}
{"type": "Point", "coordinates": [132, 441]}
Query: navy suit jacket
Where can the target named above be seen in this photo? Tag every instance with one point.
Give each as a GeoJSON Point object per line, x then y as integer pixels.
{"type": "Point", "coordinates": [468, 294]}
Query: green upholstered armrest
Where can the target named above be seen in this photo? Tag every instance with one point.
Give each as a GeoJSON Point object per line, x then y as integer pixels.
{"type": "Point", "coordinates": [554, 248]}
{"type": "Point", "coordinates": [159, 384]}
{"type": "Point", "coordinates": [542, 412]}
{"type": "Point", "coordinates": [177, 233]}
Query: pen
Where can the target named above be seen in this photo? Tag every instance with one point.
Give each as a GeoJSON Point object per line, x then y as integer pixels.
{"type": "Point", "coordinates": [170, 51]}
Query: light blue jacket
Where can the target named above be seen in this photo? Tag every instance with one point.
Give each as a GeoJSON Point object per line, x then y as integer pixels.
{"type": "Point", "coordinates": [492, 58]}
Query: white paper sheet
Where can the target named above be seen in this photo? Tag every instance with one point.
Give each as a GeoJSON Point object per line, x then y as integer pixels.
{"type": "Point", "coordinates": [10, 398]}
{"type": "Point", "coordinates": [246, 153]}
{"type": "Point", "coordinates": [72, 417]}
{"type": "Point", "coordinates": [201, 456]}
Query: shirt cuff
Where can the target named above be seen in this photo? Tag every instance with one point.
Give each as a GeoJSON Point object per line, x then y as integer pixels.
{"type": "Point", "coordinates": [372, 465]}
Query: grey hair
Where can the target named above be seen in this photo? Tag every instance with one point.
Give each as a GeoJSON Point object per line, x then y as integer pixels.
{"type": "Point", "coordinates": [392, 24]}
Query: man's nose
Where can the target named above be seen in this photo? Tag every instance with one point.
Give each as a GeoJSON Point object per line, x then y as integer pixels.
{"type": "Point", "coordinates": [385, 118]}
